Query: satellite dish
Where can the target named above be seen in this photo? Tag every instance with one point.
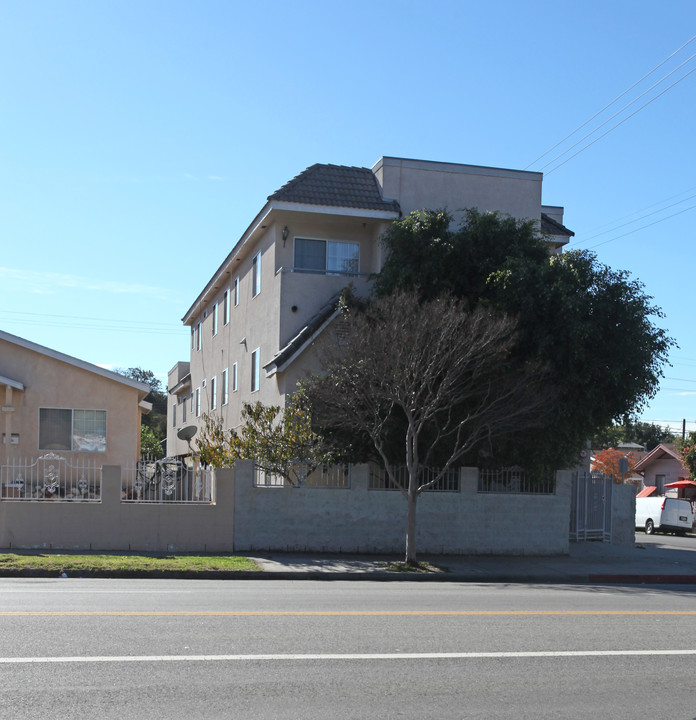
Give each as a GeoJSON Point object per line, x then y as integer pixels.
{"type": "Point", "coordinates": [187, 433]}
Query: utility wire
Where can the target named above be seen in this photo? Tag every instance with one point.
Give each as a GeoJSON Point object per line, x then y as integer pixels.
{"type": "Point", "coordinates": [625, 107]}
{"type": "Point", "coordinates": [618, 97]}
{"type": "Point", "coordinates": [630, 232]}
{"type": "Point", "coordinates": [638, 219]}
{"type": "Point", "coordinates": [619, 123]}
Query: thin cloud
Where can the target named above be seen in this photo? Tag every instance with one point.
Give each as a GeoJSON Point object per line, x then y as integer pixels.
{"type": "Point", "coordinates": [48, 283]}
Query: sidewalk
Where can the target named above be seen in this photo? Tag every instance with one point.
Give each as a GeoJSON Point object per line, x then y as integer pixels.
{"type": "Point", "coordinates": [653, 559]}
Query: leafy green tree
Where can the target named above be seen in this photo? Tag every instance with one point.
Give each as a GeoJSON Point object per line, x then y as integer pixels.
{"type": "Point", "coordinates": [425, 383]}
{"type": "Point", "coordinates": [280, 440]}
{"type": "Point", "coordinates": [156, 419]}
{"type": "Point", "coordinates": [687, 448]}
{"type": "Point", "coordinates": [591, 326]}
{"type": "Point", "coordinates": [631, 430]}
{"type": "Point", "coordinates": [149, 445]}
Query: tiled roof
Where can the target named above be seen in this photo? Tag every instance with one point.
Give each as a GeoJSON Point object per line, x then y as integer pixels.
{"type": "Point", "coordinates": [550, 227]}
{"type": "Point", "coordinates": [337, 186]}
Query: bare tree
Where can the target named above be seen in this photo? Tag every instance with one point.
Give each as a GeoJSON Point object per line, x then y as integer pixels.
{"type": "Point", "coordinates": [437, 375]}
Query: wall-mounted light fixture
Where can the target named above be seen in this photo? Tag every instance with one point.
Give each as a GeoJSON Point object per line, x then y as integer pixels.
{"type": "Point", "coordinates": [243, 342]}
{"type": "Point", "coordinates": [285, 234]}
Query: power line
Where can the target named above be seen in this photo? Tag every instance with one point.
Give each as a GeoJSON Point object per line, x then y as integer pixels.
{"type": "Point", "coordinates": [635, 112]}
{"type": "Point", "coordinates": [616, 99]}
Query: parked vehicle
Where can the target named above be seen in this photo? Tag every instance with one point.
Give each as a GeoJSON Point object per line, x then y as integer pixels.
{"type": "Point", "coordinates": [663, 514]}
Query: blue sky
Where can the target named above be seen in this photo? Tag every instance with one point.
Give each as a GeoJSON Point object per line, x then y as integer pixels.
{"type": "Point", "coordinates": [139, 139]}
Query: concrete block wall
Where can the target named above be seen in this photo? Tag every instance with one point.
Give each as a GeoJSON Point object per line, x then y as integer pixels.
{"type": "Point", "coordinates": [623, 515]}
{"type": "Point", "coordinates": [113, 525]}
{"type": "Point", "coordinates": [363, 520]}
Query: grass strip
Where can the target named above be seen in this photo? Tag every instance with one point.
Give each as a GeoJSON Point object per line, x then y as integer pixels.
{"type": "Point", "coordinates": [123, 563]}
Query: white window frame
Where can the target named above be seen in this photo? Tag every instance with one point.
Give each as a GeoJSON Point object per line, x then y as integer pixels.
{"type": "Point", "coordinates": [236, 291]}
{"type": "Point", "coordinates": [199, 338]}
{"type": "Point", "coordinates": [174, 415]}
{"type": "Point", "coordinates": [72, 411]}
{"type": "Point", "coordinates": [256, 275]}
{"type": "Point", "coordinates": [255, 370]}
{"type": "Point", "coordinates": [226, 307]}
{"type": "Point", "coordinates": [326, 242]}
{"type": "Point", "coordinates": [213, 393]}
{"type": "Point", "coordinates": [215, 319]}
{"type": "Point", "coordinates": [198, 402]}
{"type": "Point", "coordinates": [225, 386]}
{"type": "Point", "coordinates": [235, 376]}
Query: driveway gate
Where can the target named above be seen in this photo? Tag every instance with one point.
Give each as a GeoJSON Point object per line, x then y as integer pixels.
{"type": "Point", "coordinates": [590, 507]}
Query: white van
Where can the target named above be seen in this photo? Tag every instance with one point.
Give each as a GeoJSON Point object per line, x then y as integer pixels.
{"type": "Point", "coordinates": [664, 514]}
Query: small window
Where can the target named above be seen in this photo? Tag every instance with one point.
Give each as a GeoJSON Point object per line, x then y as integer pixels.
{"type": "Point", "coordinates": [255, 367]}
{"type": "Point", "coordinates": [329, 256]}
{"type": "Point", "coordinates": [183, 410]}
{"type": "Point", "coordinates": [236, 291]}
{"type": "Point", "coordinates": [225, 386]}
{"type": "Point", "coordinates": [199, 340]}
{"type": "Point", "coordinates": [14, 439]}
{"type": "Point", "coordinates": [198, 402]}
{"type": "Point", "coordinates": [234, 377]}
{"type": "Point", "coordinates": [193, 338]}
{"type": "Point", "coordinates": [174, 415]}
{"type": "Point", "coordinates": [213, 393]}
{"type": "Point", "coordinates": [226, 307]}
{"type": "Point", "coordinates": [215, 319]}
{"type": "Point", "coordinates": [256, 275]}
{"type": "Point", "coordinates": [76, 430]}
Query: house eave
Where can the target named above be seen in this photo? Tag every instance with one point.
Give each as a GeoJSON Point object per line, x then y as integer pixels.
{"type": "Point", "coordinates": [14, 384]}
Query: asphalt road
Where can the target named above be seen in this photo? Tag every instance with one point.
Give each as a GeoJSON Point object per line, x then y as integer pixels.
{"type": "Point", "coordinates": [247, 649]}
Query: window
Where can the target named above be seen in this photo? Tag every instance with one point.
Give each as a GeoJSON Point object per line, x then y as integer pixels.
{"type": "Point", "coordinates": [236, 291]}
{"type": "Point", "coordinates": [225, 386]}
{"type": "Point", "coordinates": [255, 367]}
{"type": "Point", "coordinates": [174, 415]}
{"type": "Point", "coordinates": [14, 439]}
{"type": "Point", "coordinates": [77, 430]}
{"type": "Point", "coordinates": [226, 307]}
{"type": "Point", "coordinates": [256, 275]}
{"type": "Point", "coordinates": [193, 338]}
{"type": "Point", "coordinates": [198, 337]}
{"type": "Point", "coordinates": [198, 402]}
{"type": "Point", "coordinates": [213, 393]}
{"type": "Point", "coordinates": [183, 410]}
{"type": "Point", "coordinates": [327, 256]}
{"type": "Point", "coordinates": [234, 377]}
{"type": "Point", "coordinates": [215, 318]}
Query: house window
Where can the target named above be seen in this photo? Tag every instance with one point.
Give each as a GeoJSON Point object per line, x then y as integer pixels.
{"type": "Point", "coordinates": [256, 275]}
{"type": "Point", "coordinates": [198, 337]}
{"type": "Point", "coordinates": [327, 256]}
{"type": "Point", "coordinates": [236, 291]}
{"type": "Point", "coordinates": [234, 377]}
{"type": "Point", "coordinates": [198, 402]}
{"type": "Point", "coordinates": [255, 367]}
{"type": "Point", "coordinates": [226, 307]}
{"type": "Point", "coordinates": [76, 430]}
{"type": "Point", "coordinates": [213, 393]}
{"type": "Point", "coordinates": [14, 439]}
{"type": "Point", "coordinates": [193, 338]}
{"type": "Point", "coordinates": [183, 410]}
{"type": "Point", "coordinates": [660, 484]}
{"type": "Point", "coordinates": [225, 386]}
{"type": "Point", "coordinates": [174, 415]}
{"type": "Point", "coordinates": [215, 319]}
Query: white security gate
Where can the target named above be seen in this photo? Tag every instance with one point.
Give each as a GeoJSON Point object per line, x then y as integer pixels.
{"type": "Point", "coordinates": [590, 507]}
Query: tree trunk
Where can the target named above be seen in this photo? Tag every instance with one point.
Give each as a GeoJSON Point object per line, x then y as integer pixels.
{"type": "Point", "coordinates": [411, 529]}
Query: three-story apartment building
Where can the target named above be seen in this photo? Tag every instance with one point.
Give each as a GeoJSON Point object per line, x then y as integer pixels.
{"type": "Point", "coordinates": [254, 323]}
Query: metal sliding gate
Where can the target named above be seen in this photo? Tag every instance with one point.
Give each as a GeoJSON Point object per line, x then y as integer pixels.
{"type": "Point", "coordinates": [590, 507]}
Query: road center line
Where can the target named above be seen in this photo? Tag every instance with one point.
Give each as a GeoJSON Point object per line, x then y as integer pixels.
{"type": "Point", "coordinates": [336, 656]}
{"type": "Point", "coordinates": [330, 613]}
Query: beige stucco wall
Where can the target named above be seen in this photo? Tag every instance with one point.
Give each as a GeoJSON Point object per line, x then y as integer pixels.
{"type": "Point", "coordinates": [53, 383]}
{"type": "Point", "coordinates": [419, 184]}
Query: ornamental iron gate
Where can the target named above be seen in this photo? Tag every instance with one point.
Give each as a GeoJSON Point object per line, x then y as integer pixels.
{"type": "Point", "coordinates": [590, 507]}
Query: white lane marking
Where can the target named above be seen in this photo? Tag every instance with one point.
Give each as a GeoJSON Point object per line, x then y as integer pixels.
{"type": "Point", "coordinates": [340, 656]}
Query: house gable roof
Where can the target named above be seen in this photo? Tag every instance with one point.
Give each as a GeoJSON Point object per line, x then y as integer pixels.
{"type": "Point", "coordinates": [75, 362]}
{"type": "Point", "coordinates": [658, 453]}
{"type": "Point", "coordinates": [336, 186]}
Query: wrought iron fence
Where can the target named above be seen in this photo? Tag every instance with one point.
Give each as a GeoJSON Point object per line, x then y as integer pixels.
{"type": "Point", "coordinates": [167, 481]}
{"type": "Point", "coordinates": [50, 477]}
{"type": "Point", "coordinates": [515, 480]}
{"type": "Point", "coordinates": [304, 475]}
{"type": "Point", "coordinates": [380, 481]}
